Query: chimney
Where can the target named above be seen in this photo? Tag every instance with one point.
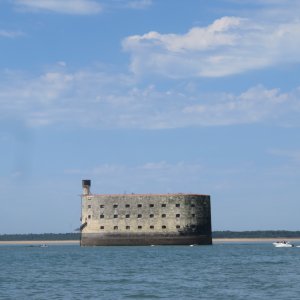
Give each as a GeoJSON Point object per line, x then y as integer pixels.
{"type": "Point", "coordinates": [86, 184]}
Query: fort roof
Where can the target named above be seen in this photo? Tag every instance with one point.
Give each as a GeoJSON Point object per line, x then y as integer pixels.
{"type": "Point", "coordinates": [133, 194]}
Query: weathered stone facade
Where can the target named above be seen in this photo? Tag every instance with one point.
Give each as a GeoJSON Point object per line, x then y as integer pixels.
{"type": "Point", "coordinates": [159, 219]}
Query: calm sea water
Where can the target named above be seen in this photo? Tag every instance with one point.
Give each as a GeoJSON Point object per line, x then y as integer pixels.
{"type": "Point", "coordinates": [221, 271]}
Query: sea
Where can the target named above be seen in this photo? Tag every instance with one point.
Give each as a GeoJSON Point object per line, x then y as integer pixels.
{"type": "Point", "coordinates": [221, 271]}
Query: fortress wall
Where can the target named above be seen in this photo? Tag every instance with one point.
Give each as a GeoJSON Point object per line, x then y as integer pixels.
{"type": "Point", "coordinates": [146, 219]}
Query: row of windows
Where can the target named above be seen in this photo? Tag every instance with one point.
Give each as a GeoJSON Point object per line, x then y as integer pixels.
{"type": "Point", "coordinates": [140, 205]}
{"type": "Point", "coordinates": [141, 227]}
{"type": "Point", "coordinates": [140, 216]}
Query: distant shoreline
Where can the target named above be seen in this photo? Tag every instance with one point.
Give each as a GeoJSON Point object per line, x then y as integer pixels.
{"type": "Point", "coordinates": [254, 240]}
{"type": "Point", "coordinates": [215, 241]}
{"type": "Point", "coordinates": [60, 242]}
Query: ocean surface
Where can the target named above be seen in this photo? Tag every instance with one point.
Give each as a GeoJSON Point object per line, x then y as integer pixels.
{"type": "Point", "coordinates": [221, 271]}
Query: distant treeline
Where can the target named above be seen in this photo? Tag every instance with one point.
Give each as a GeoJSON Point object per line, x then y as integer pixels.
{"type": "Point", "coordinates": [40, 237]}
{"type": "Point", "coordinates": [257, 234]}
{"type": "Point", "coordinates": [216, 234]}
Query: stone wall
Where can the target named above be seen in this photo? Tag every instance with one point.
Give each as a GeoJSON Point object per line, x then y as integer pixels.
{"type": "Point", "coordinates": [113, 218]}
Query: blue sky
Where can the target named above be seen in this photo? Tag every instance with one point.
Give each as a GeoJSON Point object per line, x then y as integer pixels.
{"type": "Point", "coordinates": [150, 96]}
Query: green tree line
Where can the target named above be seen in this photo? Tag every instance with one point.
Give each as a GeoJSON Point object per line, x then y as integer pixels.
{"type": "Point", "coordinates": [257, 234]}
{"type": "Point", "coordinates": [40, 237]}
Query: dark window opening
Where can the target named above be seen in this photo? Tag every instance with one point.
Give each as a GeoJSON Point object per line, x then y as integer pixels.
{"type": "Point", "coordinates": [115, 216]}
{"type": "Point", "coordinates": [127, 216]}
{"type": "Point", "coordinates": [115, 227]}
{"type": "Point", "coordinates": [101, 206]}
{"type": "Point", "coordinates": [151, 227]}
{"type": "Point", "coordinates": [192, 205]}
{"type": "Point", "coordinates": [163, 205]}
{"type": "Point", "coordinates": [127, 205]}
{"type": "Point", "coordinates": [139, 216]}
{"type": "Point", "coordinates": [139, 205]}
{"type": "Point", "coordinates": [163, 227]}
{"type": "Point", "coordinates": [177, 215]}
{"type": "Point", "coordinates": [177, 205]}
{"type": "Point", "coordinates": [115, 205]}
{"type": "Point", "coordinates": [151, 216]}
{"type": "Point", "coordinates": [139, 227]}
{"type": "Point", "coordinates": [101, 216]}
{"type": "Point", "coordinates": [151, 205]}
{"type": "Point", "coordinates": [101, 227]}
{"type": "Point", "coordinates": [177, 226]}
{"type": "Point", "coordinates": [89, 216]}
{"type": "Point", "coordinates": [89, 206]}
{"type": "Point", "coordinates": [127, 227]}
{"type": "Point", "coordinates": [163, 215]}
{"type": "Point", "coordinates": [193, 215]}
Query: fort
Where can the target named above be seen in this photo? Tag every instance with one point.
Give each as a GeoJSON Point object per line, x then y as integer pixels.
{"type": "Point", "coordinates": [144, 219]}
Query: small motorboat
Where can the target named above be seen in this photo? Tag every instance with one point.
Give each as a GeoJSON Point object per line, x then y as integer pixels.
{"type": "Point", "coordinates": [283, 244]}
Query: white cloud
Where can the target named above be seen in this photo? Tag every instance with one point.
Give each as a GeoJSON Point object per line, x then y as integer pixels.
{"type": "Point", "coordinates": [253, 106]}
{"type": "Point", "coordinates": [10, 33]}
{"type": "Point", "coordinates": [93, 99]}
{"type": "Point", "coordinates": [139, 4]}
{"type": "Point", "coordinates": [81, 7]}
{"type": "Point", "coordinates": [292, 155]}
{"type": "Point", "coordinates": [229, 45]}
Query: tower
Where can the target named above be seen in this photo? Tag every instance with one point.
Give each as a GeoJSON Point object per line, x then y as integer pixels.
{"type": "Point", "coordinates": [86, 184]}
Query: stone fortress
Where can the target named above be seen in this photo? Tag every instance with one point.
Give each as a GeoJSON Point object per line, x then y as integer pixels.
{"type": "Point", "coordinates": [144, 219]}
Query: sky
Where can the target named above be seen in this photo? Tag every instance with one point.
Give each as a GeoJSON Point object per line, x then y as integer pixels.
{"type": "Point", "coordinates": [150, 96]}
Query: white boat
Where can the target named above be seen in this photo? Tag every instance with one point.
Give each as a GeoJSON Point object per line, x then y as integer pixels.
{"type": "Point", "coordinates": [283, 244]}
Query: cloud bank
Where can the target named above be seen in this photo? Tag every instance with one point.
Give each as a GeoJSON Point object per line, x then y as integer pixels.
{"type": "Point", "coordinates": [10, 33]}
{"type": "Point", "coordinates": [91, 98]}
{"type": "Point", "coordinates": [80, 7]}
{"type": "Point", "coordinates": [228, 46]}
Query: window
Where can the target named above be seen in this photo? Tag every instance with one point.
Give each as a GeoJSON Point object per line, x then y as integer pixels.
{"type": "Point", "coordinates": [193, 215]}
{"type": "Point", "coordinates": [163, 227]}
{"type": "Point", "coordinates": [151, 227]}
{"type": "Point", "coordinates": [115, 216]}
{"type": "Point", "coordinates": [101, 216]}
{"type": "Point", "coordinates": [89, 206]}
{"type": "Point", "coordinates": [192, 205]}
{"type": "Point", "coordinates": [164, 205]}
{"type": "Point", "coordinates": [102, 206]}
{"type": "Point", "coordinates": [89, 216]}
{"type": "Point", "coordinates": [151, 205]}
{"type": "Point", "coordinates": [139, 205]}
{"type": "Point", "coordinates": [177, 205]}
{"type": "Point", "coordinates": [115, 205]}
{"type": "Point", "coordinates": [177, 226]}
{"type": "Point", "coordinates": [127, 216]}
{"type": "Point", "coordinates": [139, 215]}
{"type": "Point", "coordinates": [151, 216]}
{"type": "Point", "coordinates": [115, 227]}
{"type": "Point", "coordinates": [163, 215]}
{"type": "Point", "coordinates": [127, 227]}
{"type": "Point", "coordinates": [101, 227]}
{"type": "Point", "coordinates": [140, 227]}
{"type": "Point", "coordinates": [127, 205]}
{"type": "Point", "coordinates": [177, 215]}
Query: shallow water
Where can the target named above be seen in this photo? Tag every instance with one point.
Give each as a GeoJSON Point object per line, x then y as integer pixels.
{"type": "Point", "coordinates": [221, 271]}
